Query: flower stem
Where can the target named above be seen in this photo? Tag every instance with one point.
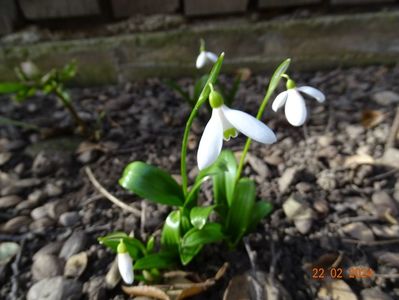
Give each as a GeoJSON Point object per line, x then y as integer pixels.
{"type": "Point", "coordinates": [185, 141]}
{"type": "Point", "coordinates": [248, 142]}
{"type": "Point", "coordinates": [81, 124]}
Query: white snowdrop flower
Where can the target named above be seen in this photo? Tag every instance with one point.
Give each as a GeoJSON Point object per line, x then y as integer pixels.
{"type": "Point", "coordinates": [224, 124]}
{"type": "Point", "coordinates": [205, 57]}
{"type": "Point", "coordinates": [125, 263]}
{"type": "Point", "coordinates": [295, 108]}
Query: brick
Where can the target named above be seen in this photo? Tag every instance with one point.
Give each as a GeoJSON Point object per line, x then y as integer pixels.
{"type": "Point", "coordinates": [8, 16]}
{"type": "Point", "coordinates": [125, 8]}
{"type": "Point", "coordinates": [214, 7]}
{"type": "Point", "coordinates": [49, 9]}
{"type": "Point", "coordinates": [285, 3]}
{"type": "Point", "coordinates": [352, 2]}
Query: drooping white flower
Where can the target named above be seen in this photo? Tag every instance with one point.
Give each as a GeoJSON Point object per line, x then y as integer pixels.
{"type": "Point", "coordinates": [205, 57]}
{"type": "Point", "coordinates": [295, 108]}
{"type": "Point", "coordinates": [224, 124]}
{"type": "Point", "coordinates": [125, 263]}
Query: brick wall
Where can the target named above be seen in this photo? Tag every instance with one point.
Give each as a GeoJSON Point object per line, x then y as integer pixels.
{"type": "Point", "coordinates": [26, 12]}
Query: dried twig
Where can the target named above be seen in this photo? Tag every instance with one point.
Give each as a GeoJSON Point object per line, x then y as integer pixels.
{"type": "Point", "coordinates": [15, 273]}
{"type": "Point", "coordinates": [109, 196]}
{"type": "Point", "coordinates": [394, 132]}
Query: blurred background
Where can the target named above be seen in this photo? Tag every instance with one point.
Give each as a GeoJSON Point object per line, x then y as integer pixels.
{"type": "Point", "coordinates": [115, 41]}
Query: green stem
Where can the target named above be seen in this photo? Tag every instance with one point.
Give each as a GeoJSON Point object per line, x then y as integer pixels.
{"type": "Point", "coordinates": [183, 165]}
{"type": "Point", "coordinates": [72, 111]}
{"type": "Point", "coordinates": [248, 142]}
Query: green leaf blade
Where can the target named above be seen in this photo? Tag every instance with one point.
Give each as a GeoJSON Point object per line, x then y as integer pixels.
{"type": "Point", "coordinates": [151, 183]}
{"type": "Point", "coordinates": [199, 215]}
{"type": "Point", "coordinates": [160, 260]}
{"type": "Point", "coordinates": [135, 248]}
{"type": "Point", "coordinates": [170, 239]}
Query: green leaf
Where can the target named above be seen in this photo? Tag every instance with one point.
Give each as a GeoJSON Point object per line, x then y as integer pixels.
{"type": "Point", "coordinates": [199, 215]}
{"type": "Point", "coordinates": [68, 71]}
{"type": "Point", "coordinates": [241, 211]}
{"type": "Point", "coordinates": [170, 239]}
{"type": "Point", "coordinates": [188, 253]}
{"type": "Point", "coordinates": [193, 194]}
{"type": "Point", "coordinates": [135, 248]}
{"type": "Point", "coordinates": [11, 87]}
{"type": "Point", "coordinates": [274, 81]}
{"type": "Point", "coordinates": [151, 183]}
{"type": "Point", "coordinates": [210, 233]}
{"type": "Point", "coordinates": [260, 210]}
{"type": "Point", "coordinates": [161, 260]}
{"type": "Point", "coordinates": [7, 121]}
{"type": "Point", "coordinates": [150, 244]}
{"type": "Point", "coordinates": [199, 86]}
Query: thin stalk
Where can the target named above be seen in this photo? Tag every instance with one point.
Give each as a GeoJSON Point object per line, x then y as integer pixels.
{"type": "Point", "coordinates": [72, 111]}
{"type": "Point", "coordinates": [248, 142]}
{"type": "Point", "coordinates": [183, 164]}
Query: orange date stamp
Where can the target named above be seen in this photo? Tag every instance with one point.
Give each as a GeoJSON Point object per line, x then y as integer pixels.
{"type": "Point", "coordinates": [341, 273]}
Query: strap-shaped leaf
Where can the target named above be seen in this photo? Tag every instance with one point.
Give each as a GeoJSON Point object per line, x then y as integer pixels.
{"type": "Point", "coordinates": [161, 260]}
{"type": "Point", "coordinates": [199, 215]}
{"type": "Point", "coordinates": [170, 239]}
{"type": "Point", "coordinates": [260, 210]}
{"type": "Point", "coordinates": [195, 239]}
{"type": "Point", "coordinates": [11, 87]}
{"type": "Point", "coordinates": [241, 210]}
{"type": "Point", "coordinates": [151, 183]}
{"type": "Point", "coordinates": [274, 81]}
{"type": "Point", "coordinates": [210, 233]}
{"type": "Point", "coordinates": [135, 248]}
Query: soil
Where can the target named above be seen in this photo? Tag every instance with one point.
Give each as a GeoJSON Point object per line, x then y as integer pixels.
{"type": "Point", "coordinates": [333, 167]}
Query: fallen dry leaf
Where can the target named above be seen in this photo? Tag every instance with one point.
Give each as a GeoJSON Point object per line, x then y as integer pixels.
{"type": "Point", "coordinates": [358, 159]}
{"type": "Point", "coordinates": [371, 118]}
{"type": "Point", "coordinates": [147, 291]}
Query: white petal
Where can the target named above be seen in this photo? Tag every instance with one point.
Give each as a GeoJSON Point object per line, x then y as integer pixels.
{"type": "Point", "coordinates": [311, 91]}
{"type": "Point", "coordinates": [125, 265]}
{"type": "Point", "coordinates": [250, 126]}
{"type": "Point", "coordinates": [201, 60]}
{"type": "Point", "coordinates": [295, 108]}
{"type": "Point", "coordinates": [211, 141]}
{"type": "Point", "coordinates": [211, 56]}
{"type": "Point", "coordinates": [279, 101]}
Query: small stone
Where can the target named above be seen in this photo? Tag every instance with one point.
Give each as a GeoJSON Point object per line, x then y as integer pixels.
{"type": "Point", "coordinates": [9, 201]}
{"type": "Point", "coordinates": [52, 248]}
{"type": "Point", "coordinates": [391, 158]}
{"type": "Point", "coordinates": [321, 206]}
{"type": "Point", "coordinates": [287, 179]}
{"type": "Point", "coordinates": [74, 244]}
{"type": "Point", "coordinates": [41, 225]}
{"type": "Point", "coordinates": [56, 288]}
{"type": "Point", "coordinates": [326, 180]}
{"type": "Point", "coordinates": [385, 98]}
{"type": "Point", "coordinates": [386, 231]}
{"type": "Point", "coordinates": [258, 166]}
{"type": "Point", "coordinates": [299, 212]}
{"type": "Point", "coordinates": [336, 289]}
{"type": "Point", "coordinates": [384, 203]}
{"type": "Point", "coordinates": [76, 265]}
{"type": "Point", "coordinates": [69, 219]}
{"type": "Point", "coordinates": [95, 288]}
{"type": "Point", "coordinates": [303, 187]}
{"type": "Point", "coordinates": [17, 224]}
{"type": "Point", "coordinates": [4, 157]}
{"type": "Point", "coordinates": [354, 131]}
{"type": "Point", "coordinates": [359, 231]}
{"type": "Point", "coordinates": [390, 259]}
{"type": "Point", "coordinates": [113, 276]}
{"type": "Point", "coordinates": [42, 164]}
{"type": "Point", "coordinates": [325, 140]}
{"type": "Point", "coordinates": [87, 156]}
{"type": "Point", "coordinates": [56, 208]}
{"type": "Point", "coordinates": [52, 190]}
{"type": "Point", "coordinates": [39, 212]}
{"type": "Point", "coordinates": [374, 293]}
{"type": "Point", "coordinates": [36, 196]}
{"type": "Point", "coordinates": [273, 160]}
{"type": "Point", "coordinates": [46, 266]}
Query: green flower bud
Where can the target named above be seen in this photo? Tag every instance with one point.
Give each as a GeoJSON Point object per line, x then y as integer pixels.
{"type": "Point", "coordinates": [215, 99]}
{"type": "Point", "coordinates": [290, 84]}
{"type": "Point", "coordinates": [121, 247]}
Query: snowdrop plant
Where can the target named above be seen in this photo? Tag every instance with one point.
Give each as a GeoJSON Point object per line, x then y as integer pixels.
{"type": "Point", "coordinates": [205, 58]}
{"type": "Point", "coordinates": [125, 263]}
{"type": "Point", "coordinates": [295, 107]}
{"type": "Point", "coordinates": [188, 227]}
